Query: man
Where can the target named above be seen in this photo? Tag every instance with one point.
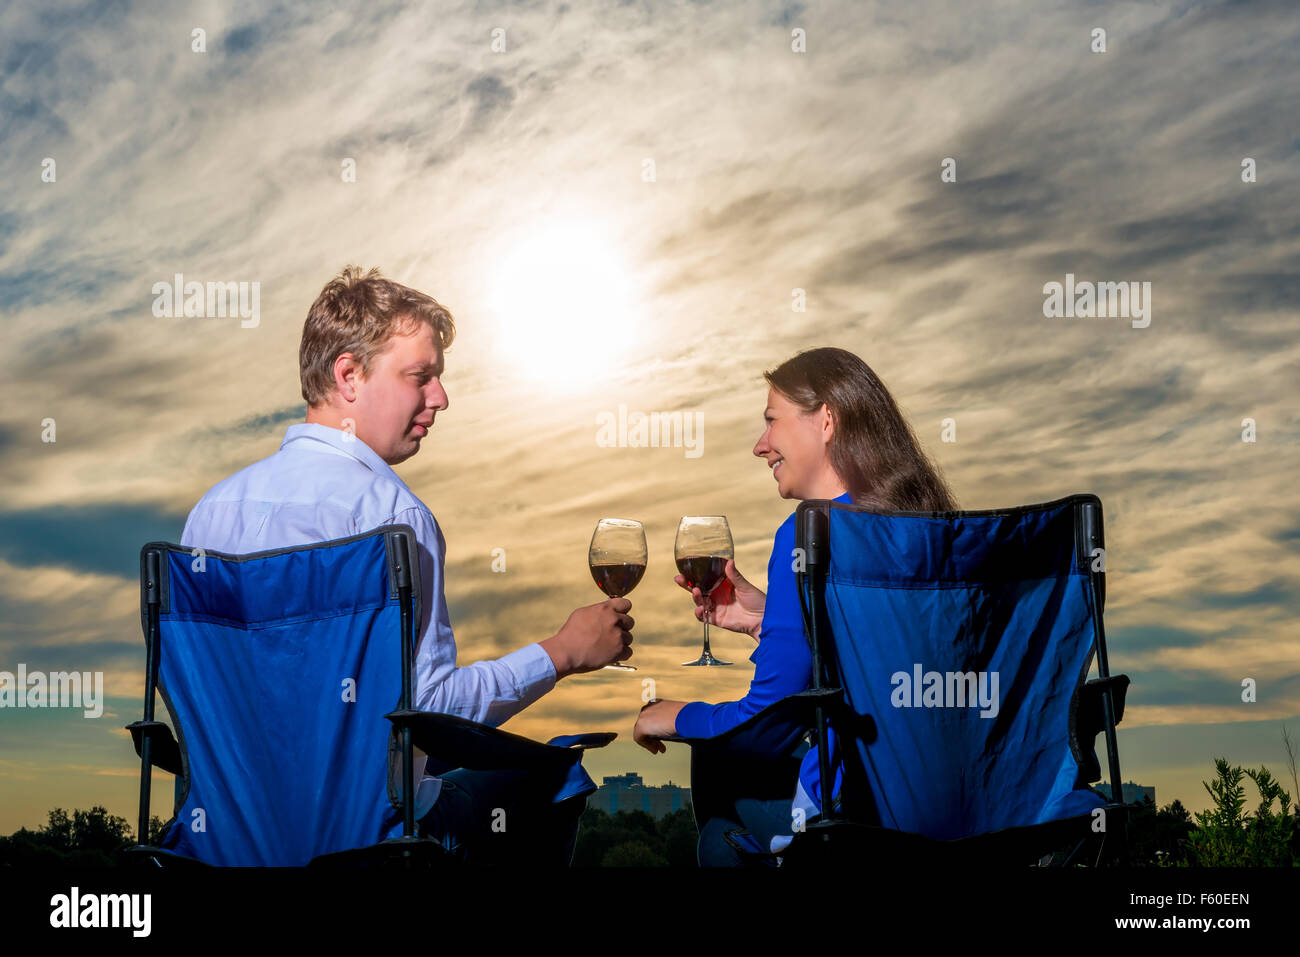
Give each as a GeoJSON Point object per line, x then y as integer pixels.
{"type": "Point", "coordinates": [371, 362]}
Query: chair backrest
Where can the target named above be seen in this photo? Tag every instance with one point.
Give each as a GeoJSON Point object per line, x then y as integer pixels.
{"type": "Point", "coordinates": [961, 640]}
{"type": "Point", "coordinates": [278, 669]}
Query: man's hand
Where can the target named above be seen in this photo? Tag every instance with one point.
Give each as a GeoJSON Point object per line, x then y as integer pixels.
{"type": "Point", "coordinates": [657, 719]}
{"type": "Point", "coordinates": [593, 637]}
{"type": "Point", "coordinates": [736, 604]}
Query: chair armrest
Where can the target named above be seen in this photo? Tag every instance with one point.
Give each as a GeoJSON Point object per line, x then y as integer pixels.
{"type": "Point", "coordinates": [1089, 720]}
{"type": "Point", "coordinates": [457, 742]}
{"type": "Point", "coordinates": [755, 758]}
{"type": "Point", "coordinates": [164, 753]}
{"type": "Point", "coordinates": [772, 732]}
{"type": "Point", "coordinates": [581, 742]}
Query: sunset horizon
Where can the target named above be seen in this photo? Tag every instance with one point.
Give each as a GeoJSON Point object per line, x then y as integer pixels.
{"type": "Point", "coordinates": [1071, 260]}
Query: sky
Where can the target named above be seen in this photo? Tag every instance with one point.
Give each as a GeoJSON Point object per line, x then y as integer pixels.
{"type": "Point", "coordinates": [647, 205]}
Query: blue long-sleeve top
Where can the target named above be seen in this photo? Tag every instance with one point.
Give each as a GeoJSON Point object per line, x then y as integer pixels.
{"type": "Point", "coordinates": [782, 660]}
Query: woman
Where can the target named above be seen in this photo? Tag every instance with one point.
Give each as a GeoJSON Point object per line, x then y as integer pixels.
{"type": "Point", "coordinates": [832, 431]}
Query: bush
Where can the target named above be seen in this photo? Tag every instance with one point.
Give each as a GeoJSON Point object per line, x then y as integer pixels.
{"type": "Point", "coordinates": [1229, 836]}
{"type": "Point", "coordinates": [1157, 838]}
{"type": "Point", "coordinates": [635, 839]}
{"type": "Point", "coordinates": [632, 854]}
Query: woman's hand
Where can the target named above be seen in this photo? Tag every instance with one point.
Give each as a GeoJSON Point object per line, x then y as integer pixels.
{"type": "Point", "coordinates": [737, 605]}
{"type": "Point", "coordinates": [657, 719]}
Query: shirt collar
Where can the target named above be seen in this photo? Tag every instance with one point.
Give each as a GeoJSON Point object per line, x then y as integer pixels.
{"type": "Point", "coordinates": [344, 442]}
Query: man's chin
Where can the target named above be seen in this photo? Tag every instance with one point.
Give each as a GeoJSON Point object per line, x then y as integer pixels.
{"type": "Point", "coordinates": [403, 454]}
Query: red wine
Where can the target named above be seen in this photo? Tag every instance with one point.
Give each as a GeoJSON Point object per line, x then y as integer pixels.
{"type": "Point", "coordinates": [704, 572]}
{"type": "Point", "coordinates": [616, 579]}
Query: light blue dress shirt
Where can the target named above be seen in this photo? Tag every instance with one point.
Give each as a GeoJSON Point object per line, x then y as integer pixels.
{"type": "Point", "coordinates": [324, 484]}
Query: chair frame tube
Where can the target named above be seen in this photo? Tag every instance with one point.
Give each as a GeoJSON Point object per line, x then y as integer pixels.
{"type": "Point", "coordinates": [153, 599]}
{"type": "Point", "coordinates": [816, 553]}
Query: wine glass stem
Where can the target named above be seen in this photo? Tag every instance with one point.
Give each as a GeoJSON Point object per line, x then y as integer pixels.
{"type": "Point", "coordinates": [708, 606]}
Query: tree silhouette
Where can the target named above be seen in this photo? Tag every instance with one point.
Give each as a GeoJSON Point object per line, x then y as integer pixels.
{"type": "Point", "coordinates": [635, 839]}
{"type": "Point", "coordinates": [91, 838]}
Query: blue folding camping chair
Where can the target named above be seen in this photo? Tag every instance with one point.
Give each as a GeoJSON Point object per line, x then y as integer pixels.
{"type": "Point", "coordinates": [287, 676]}
{"type": "Point", "coordinates": [950, 702]}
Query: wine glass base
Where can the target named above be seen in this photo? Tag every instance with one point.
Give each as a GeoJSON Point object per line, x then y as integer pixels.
{"type": "Point", "coordinates": [619, 668]}
{"type": "Point", "coordinates": [705, 660]}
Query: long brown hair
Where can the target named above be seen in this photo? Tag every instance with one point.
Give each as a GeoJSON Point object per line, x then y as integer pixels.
{"type": "Point", "coordinates": [873, 450]}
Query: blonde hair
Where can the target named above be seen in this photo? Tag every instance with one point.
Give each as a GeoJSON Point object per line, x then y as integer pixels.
{"type": "Point", "coordinates": [359, 312]}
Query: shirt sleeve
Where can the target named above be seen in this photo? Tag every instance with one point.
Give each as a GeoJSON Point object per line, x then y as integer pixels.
{"type": "Point", "coordinates": [194, 525]}
{"type": "Point", "coordinates": [489, 692]}
{"type": "Point", "coordinates": [782, 661]}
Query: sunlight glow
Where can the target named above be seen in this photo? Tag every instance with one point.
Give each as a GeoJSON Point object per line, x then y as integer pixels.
{"type": "Point", "coordinates": [566, 310]}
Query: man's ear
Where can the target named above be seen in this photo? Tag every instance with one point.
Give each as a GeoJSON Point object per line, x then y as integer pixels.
{"type": "Point", "coordinates": [347, 372]}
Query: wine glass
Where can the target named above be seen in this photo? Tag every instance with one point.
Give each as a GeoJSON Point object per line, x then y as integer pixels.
{"type": "Point", "coordinates": [617, 558]}
{"type": "Point", "coordinates": [702, 549]}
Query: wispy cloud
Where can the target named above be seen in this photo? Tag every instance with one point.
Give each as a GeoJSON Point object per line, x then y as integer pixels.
{"type": "Point", "coordinates": [773, 171]}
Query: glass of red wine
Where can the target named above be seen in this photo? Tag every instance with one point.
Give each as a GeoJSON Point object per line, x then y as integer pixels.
{"type": "Point", "coordinates": [617, 559]}
{"type": "Point", "coordinates": [702, 549]}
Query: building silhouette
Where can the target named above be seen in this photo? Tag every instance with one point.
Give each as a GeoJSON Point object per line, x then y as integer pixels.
{"type": "Point", "coordinates": [1133, 793]}
{"type": "Point", "coordinates": [627, 792]}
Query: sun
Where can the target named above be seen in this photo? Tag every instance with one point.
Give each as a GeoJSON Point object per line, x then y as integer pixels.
{"type": "Point", "coordinates": [565, 306]}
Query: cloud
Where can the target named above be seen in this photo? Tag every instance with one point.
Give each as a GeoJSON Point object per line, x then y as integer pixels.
{"type": "Point", "coordinates": [1274, 594]}
{"type": "Point", "coordinates": [775, 171]}
{"type": "Point", "coordinates": [101, 539]}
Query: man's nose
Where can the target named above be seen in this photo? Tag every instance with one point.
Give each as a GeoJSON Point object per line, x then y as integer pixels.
{"type": "Point", "coordinates": [438, 399]}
